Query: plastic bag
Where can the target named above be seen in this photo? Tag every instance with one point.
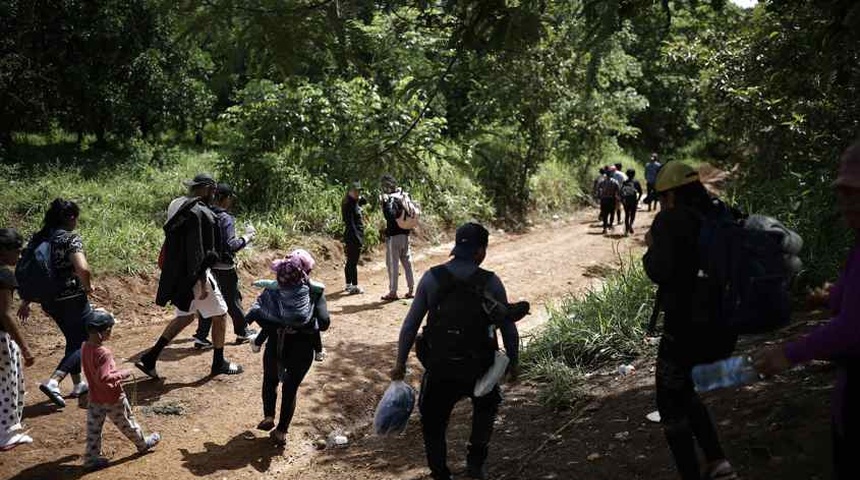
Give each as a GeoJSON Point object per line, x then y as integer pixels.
{"type": "Point", "coordinates": [393, 411]}
{"type": "Point", "coordinates": [489, 380]}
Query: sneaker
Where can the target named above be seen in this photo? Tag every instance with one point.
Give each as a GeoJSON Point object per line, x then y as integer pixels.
{"type": "Point", "coordinates": [227, 368]}
{"type": "Point", "coordinates": [79, 389]}
{"type": "Point", "coordinates": [266, 425]}
{"type": "Point", "coordinates": [355, 290]}
{"type": "Point", "coordinates": [151, 441]}
{"type": "Point", "coordinates": [319, 356]}
{"type": "Point", "coordinates": [201, 343]}
{"type": "Point", "coordinates": [250, 334]}
{"type": "Point", "coordinates": [14, 439]}
{"type": "Point", "coordinates": [254, 347]}
{"type": "Point", "coordinates": [721, 470]}
{"type": "Point", "coordinates": [348, 288]}
{"type": "Point", "coordinates": [476, 471]}
{"type": "Point", "coordinates": [96, 464]}
{"type": "Point", "coordinates": [52, 391]}
{"type": "Point", "coordinates": [279, 437]}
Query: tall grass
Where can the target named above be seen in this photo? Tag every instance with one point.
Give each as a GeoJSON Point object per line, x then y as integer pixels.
{"type": "Point", "coordinates": [604, 326]}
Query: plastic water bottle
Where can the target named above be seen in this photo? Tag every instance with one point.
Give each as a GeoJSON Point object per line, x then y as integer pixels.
{"type": "Point", "coordinates": [727, 373]}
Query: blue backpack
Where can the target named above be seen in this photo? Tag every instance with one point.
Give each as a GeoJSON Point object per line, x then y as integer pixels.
{"type": "Point", "coordinates": [35, 275]}
{"type": "Point", "coordinates": [746, 272]}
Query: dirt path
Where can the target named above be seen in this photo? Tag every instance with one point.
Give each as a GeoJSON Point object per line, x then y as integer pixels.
{"type": "Point", "coordinates": [213, 435]}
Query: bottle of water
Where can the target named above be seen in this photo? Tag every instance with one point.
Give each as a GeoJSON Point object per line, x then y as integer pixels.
{"type": "Point", "coordinates": [727, 373]}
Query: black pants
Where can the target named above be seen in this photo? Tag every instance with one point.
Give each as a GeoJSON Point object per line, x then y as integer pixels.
{"type": "Point", "coordinates": [437, 400]}
{"type": "Point", "coordinates": [630, 207]}
{"type": "Point", "coordinates": [71, 315]}
{"type": "Point", "coordinates": [353, 252]}
{"type": "Point", "coordinates": [651, 198]}
{"type": "Point", "coordinates": [684, 417]}
{"type": "Point", "coordinates": [228, 283]}
{"type": "Point", "coordinates": [607, 212]}
{"type": "Point", "coordinates": [296, 357]}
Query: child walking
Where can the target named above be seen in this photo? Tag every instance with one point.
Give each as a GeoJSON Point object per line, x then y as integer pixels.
{"type": "Point", "coordinates": [14, 352]}
{"type": "Point", "coordinates": [107, 398]}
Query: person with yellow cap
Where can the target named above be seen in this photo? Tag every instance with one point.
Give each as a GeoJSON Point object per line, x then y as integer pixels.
{"type": "Point", "coordinates": [839, 339]}
{"type": "Point", "coordinates": [672, 262]}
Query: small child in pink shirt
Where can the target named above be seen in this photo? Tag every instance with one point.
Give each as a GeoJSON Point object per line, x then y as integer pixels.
{"type": "Point", "coordinates": [106, 396]}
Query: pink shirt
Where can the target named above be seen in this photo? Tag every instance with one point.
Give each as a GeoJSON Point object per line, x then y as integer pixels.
{"type": "Point", "coordinates": [103, 377]}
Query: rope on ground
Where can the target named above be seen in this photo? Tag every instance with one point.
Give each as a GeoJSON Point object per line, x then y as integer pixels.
{"type": "Point", "coordinates": [527, 458]}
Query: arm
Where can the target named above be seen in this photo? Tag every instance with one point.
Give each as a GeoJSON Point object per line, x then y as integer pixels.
{"type": "Point", "coordinates": [228, 231]}
{"type": "Point", "coordinates": [107, 372]}
{"type": "Point", "coordinates": [82, 270]}
{"type": "Point", "coordinates": [413, 320]}
{"type": "Point", "coordinates": [8, 324]}
{"type": "Point", "coordinates": [348, 214]}
{"type": "Point", "coordinates": [510, 334]}
{"type": "Point", "coordinates": [267, 284]}
{"type": "Point", "coordinates": [321, 314]}
{"type": "Point", "coordinates": [659, 260]}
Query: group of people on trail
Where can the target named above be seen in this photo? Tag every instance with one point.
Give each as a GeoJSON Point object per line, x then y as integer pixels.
{"type": "Point", "coordinates": [466, 310]}
{"type": "Point", "coordinates": [614, 189]}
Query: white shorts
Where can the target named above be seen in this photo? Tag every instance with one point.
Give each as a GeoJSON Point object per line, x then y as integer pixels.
{"type": "Point", "coordinates": [211, 306]}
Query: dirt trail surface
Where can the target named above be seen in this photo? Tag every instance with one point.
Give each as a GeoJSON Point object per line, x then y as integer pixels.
{"type": "Point", "coordinates": [208, 424]}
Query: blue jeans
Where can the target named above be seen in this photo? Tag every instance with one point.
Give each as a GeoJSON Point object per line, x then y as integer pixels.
{"type": "Point", "coordinates": [71, 315]}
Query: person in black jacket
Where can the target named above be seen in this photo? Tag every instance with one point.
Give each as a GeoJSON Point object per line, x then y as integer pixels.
{"type": "Point", "coordinates": [189, 252]}
{"type": "Point", "coordinates": [353, 235]}
{"type": "Point", "coordinates": [672, 262]}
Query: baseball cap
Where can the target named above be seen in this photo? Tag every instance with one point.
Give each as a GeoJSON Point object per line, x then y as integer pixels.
{"type": "Point", "coordinates": [224, 190]}
{"type": "Point", "coordinates": [356, 185]}
{"type": "Point", "coordinates": [101, 319]}
{"type": "Point", "coordinates": [201, 179]}
{"type": "Point", "coordinates": [674, 175]}
{"type": "Point", "coordinates": [469, 238]}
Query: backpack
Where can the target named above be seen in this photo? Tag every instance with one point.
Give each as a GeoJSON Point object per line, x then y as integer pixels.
{"type": "Point", "coordinates": [408, 219]}
{"type": "Point", "coordinates": [745, 268]}
{"type": "Point", "coordinates": [459, 341]}
{"type": "Point", "coordinates": [609, 188]}
{"type": "Point", "coordinates": [628, 191]}
{"type": "Point", "coordinates": [35, 274]}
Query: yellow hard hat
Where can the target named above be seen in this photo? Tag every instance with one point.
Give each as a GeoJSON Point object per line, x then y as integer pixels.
{"type": "Point", "coordinates": [674, 175]}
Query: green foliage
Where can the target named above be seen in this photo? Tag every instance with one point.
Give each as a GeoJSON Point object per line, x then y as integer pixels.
{"type": "Point", "coordinates": [602, 327]}
{"type": "Point", "coordinates": [557, 188]}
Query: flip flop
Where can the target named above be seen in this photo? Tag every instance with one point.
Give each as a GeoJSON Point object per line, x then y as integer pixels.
{"type": "Point", "coordinates": [389, 298]}
{"type": "Point", "coordinates": [280, 438]}
{"type": "Point", "coordinates": [409, 295]}
{"type": "Point", "coordinates": [150, 372]}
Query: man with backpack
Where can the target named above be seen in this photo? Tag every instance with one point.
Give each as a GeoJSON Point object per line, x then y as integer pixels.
{"type": "Point", "coordinates": [225, 269]}
{"type": "Point", "coordinates": [608, 191]}
{"type": "Point", "coordinates": [457, 347]}
{"type": "Point", "coordinates": [690, 336]}
{"type": "Point", "coordinates": [631, 192]}
{"type": "Point", "coordinates": [189, 253]}
{"type": "Point", "coordinates": [401, 215]}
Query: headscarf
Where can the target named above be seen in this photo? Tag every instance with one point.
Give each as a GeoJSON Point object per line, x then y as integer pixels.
{"type": "Point", "coordinates": [306, 260]}
{"type": "Point", "coordinates": [294, 269]}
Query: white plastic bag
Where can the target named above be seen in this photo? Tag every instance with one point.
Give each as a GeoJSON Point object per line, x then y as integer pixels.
{"type": "Point", "coordinates": [393, 411]}
{"type": "Point", "coordinates": [494, 375]}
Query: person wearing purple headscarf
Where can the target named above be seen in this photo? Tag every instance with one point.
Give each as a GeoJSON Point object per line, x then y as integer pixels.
{"type": "Point", "coordinates": [291, 316]}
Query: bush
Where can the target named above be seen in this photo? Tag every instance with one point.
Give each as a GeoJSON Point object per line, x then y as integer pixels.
{"type": "Point", "coordinates": [556, 188]}
{"type": "Point", "coordinates": [604, 326]}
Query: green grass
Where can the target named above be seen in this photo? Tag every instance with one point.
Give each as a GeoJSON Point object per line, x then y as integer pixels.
{"type": "Point", "coordinates": [603, 327]}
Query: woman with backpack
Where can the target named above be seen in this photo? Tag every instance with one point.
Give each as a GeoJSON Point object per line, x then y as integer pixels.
{"type": "Point", "coordinates": [672, 262]}
{"type": "Point", "coordinates": [631, 193]}
{"type": "Point", "coordinates": [291, 317]}
{"type": "Point", "coordinates": [67, 303]}
{"type": "Point", "coordinates": [838, 340]}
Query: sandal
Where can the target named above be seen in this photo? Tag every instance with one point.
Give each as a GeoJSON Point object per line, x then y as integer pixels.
{"type": "Point", "coordinates": [266, 425]}
{"type": "Point", "coordinates": [279, 437]}
{"type": "Point", "coordinates": [409, 294]}
{"type": "Point", "coordinates": [15, 440]}
{"type": "Point", "coordinates": [228, 368]}
{"type": "Point", "coordinates": [53, 394]}
{"type": "Point", "coordinates": [391, 297]}
{"type": "Point", "coordinates": [149, 371]}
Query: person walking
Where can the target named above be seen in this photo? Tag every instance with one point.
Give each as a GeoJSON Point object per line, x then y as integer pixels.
{"type": "Point", "coordinates": [620, 177]}
{"type": "Point", "coordinates": [609, 191]}
{"type": "Point", "coordinates": [189, 252]}
{"type": "Point", "coordinates": [672, 262]}
{"type": "Point", "coordinates": [631, 193]}
{"type": "Point", "coordinates": [291, 318]}
{"type": "Point", "coordinates": [14, 351]}
{"type": "Point", "coordinates": [353, 235]}
{"type": "Point", "coordinates": [397, 248]}
{"type": "Point", "coordinates": [452, 295]}
{"type": "Point", "coordinates": [107, 398]}
{"type": "Point", "coordinates": [224, 269]}
{"type": "Point", "coordinates": [69, 306]}
{"type": "Point", "coordinates": [838, 340]}
{"type": "Point", "coordinates": [651, 170]}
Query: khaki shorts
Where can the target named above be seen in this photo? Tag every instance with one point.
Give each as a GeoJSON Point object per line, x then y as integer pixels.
{"type": "Point", "coordinates": [211, 306]}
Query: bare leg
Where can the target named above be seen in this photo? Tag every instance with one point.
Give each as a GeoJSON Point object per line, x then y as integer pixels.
{"type": "Point", "coordinates": [219, 330]}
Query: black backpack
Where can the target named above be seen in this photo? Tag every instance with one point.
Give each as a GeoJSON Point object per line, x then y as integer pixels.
{"type": "Point", "coordinates": [459, 340]}
{"type": "Point", "coordinates": [35, 274]}
{"type": "Point", "coordinates": [746, 272]}
{"type": "Point", "coordinates": [628, 191]}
